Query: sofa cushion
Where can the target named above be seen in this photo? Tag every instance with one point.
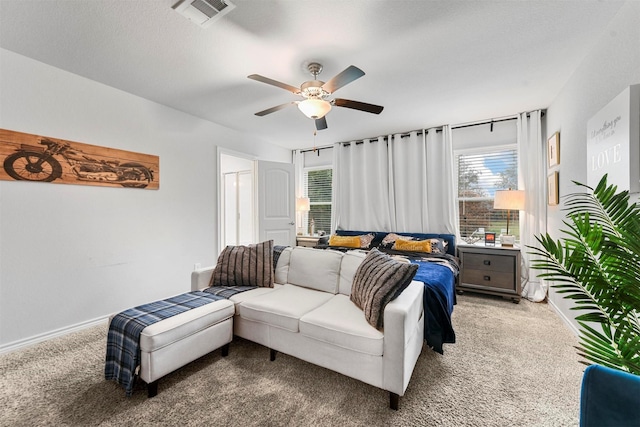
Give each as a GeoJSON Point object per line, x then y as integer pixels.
{"type": "Point", "coordinates": [315, 268]}
{"type": "Point", "coordinates": [282, 267]}
{"type": "Point", "coordinates": [175, 328]}
{"type": "Point", "coordinates": [378, 280]}
{"type": "Point", "coordinates": [350, 263]}
{"type": "Point", "coordinates": [283, 307]}
{"type": "Point", "coordinates": [250, 265]}
{"type": "Point", "coordinates": [253, 293]}
{"type": "Point", "coordinates": [339, 322]}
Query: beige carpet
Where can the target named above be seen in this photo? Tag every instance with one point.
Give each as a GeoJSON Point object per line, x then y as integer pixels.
{"type": "Point", "coordinates": [512, 365]}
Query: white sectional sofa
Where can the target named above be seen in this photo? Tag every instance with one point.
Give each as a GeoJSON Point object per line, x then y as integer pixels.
{"type": "Point", "coordinates": [308, 314]}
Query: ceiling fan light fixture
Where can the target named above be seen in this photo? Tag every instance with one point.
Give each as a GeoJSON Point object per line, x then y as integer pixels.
{"type": "Point", "coordinates": [314, 108]}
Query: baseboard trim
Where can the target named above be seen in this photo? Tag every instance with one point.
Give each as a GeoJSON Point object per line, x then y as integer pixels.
{"type": "Point", "coordinates": [564, 318]}
{"type": "Point", "coordinates": [26, 342]}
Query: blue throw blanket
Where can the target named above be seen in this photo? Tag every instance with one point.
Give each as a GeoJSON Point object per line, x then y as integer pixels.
{"type": "Point", "coordinates": [123, 340]}
{"type": "Point", "coordinates": [439, 299]}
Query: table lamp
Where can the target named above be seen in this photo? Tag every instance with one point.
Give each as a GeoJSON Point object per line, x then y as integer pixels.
{"type": "Point", "coordinates": [508, 199]}
{"type": "Point", "coordinates": [303, 204]}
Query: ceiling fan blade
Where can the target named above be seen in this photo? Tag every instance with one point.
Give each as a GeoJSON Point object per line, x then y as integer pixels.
{"type": "Point", "coordinates": [356, 105]}
{"type": "Point", "coordinates": [259, 78]}
{"type": "Point", "coordinates": [274, 109]}
{"type": "Point", "coordinates": [321, 123]}
{"type": "Point", "coordinates": [348, 75]}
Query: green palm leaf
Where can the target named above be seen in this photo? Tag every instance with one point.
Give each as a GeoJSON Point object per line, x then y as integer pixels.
{"type": "Point", "coordinates": [597, 266]}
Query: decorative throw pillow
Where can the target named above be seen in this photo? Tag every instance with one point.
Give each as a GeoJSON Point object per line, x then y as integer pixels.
{"type": "Point", "coordinates": [345, 241]}
{"type": "Point", "coordinates": [378, 280]}
{"type": "Point", "coordinates": [439, 246]}
{"type": "Point", "coordinates": [250, 265]}
{"type": "Point", "coordinates": [413, 245]}
{"type": "Point", "coordinates": [365, 240]}
{"type": "Point", "coordinates": [390, 239]}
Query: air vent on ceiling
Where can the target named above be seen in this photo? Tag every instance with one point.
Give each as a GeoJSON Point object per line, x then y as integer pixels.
{"type": "Point", "coordinates": [203, 12]}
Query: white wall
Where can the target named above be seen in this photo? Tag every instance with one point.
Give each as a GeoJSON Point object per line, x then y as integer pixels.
{"type": "Point", "coordinates": [611, 66]}
{"type": "Point", "coordinates": [72, 254]}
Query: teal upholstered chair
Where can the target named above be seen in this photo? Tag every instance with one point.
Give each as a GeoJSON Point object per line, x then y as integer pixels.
{"type": "Point", "coordinates": [609, 397]}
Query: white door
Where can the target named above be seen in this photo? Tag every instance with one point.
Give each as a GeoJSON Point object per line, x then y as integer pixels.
{"type": "Point", "coordinates": [276, 202]}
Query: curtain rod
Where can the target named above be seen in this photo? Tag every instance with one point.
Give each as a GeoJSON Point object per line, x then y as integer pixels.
{"type": "Point", "coordinates": [360, 141]}
{"type": "Point", "coordinates": [491, 121]}
{"type": "Point", "coordinates": [386, 138]}
{"type": "Point", "coordinates": [421, 131]}
{"type": "Point", "coordinates": [324, 147]}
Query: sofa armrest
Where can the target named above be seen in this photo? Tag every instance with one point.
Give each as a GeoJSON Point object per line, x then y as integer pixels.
{"type": "Point", "coordinates": [403, 319]}
{"type": "Point", "coordinates": [200, 278]}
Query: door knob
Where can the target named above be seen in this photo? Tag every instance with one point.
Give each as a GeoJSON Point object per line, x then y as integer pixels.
{"type": "Point", "coordinates": [292, 223]}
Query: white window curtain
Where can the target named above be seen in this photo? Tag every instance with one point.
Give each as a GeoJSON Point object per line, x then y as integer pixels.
{"type": "Point", "coordinates": [402, 184]}
{"type": "Point", "coordinates": [443, 183]}
{"type": "Point", "coordinates": [361, 186]}
{"type": "Point", "coordinates": [408, 187]}
{"type": "Point", "coordinates": [532, 179]}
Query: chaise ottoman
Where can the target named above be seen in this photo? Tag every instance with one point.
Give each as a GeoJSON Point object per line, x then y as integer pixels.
{"type": "Point", "coordinates": [176, 341]}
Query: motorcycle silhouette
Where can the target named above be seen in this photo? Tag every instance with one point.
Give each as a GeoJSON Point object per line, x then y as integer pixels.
{"type": "Point", "coordinates": [34, 163]}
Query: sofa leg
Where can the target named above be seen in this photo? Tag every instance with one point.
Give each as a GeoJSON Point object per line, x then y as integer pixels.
{"type": "Point", "coordinates": [272, 354]}
{"type": "Point", "coordinates": [393, 401]}
{"type": "Point", "coordinates": [152, 389]}
{"type": "Point", "coordinates": [225, 350]}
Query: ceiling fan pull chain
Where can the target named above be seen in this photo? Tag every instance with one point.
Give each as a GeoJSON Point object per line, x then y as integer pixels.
{"type": "Point", "coordinates": [315, 132]}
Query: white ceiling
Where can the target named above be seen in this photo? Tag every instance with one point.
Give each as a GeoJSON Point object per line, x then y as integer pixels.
{"type": "Point", "coordinates": [428, 63]}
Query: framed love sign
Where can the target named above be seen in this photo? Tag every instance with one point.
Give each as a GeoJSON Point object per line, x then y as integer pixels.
{"type": "Point", "coordinates": [613, 142]}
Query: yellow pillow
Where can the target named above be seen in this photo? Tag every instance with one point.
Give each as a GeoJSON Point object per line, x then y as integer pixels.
{"type": "Point", "coordinates": [345, 241]}
{"type": "Point", "coordinates": [413, 245]}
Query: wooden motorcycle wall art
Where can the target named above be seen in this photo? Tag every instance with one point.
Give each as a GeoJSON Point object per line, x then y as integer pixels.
{"type": "Point", "coordinates": [27, 157]}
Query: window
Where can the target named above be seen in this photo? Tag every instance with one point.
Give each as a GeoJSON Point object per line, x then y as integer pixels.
{"type": "Point", "coordinates": [480, 174]}
{"type": "Point", "coordinates": [317, 187]}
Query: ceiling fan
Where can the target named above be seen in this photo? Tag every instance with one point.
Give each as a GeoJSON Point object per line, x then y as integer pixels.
{"type": "Point", "coordinates": [316, 103]}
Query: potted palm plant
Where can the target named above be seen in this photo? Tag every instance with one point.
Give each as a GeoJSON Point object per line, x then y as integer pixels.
{"type": "Point", "coordinates": [597, 265]}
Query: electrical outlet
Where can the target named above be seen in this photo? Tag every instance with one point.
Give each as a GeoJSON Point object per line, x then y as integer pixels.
{"type": "Point", "coordinates": [196, 266]}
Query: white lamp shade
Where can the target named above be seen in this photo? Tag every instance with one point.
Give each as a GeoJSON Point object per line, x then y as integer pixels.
{"type": "Point", "coordinates": [314, 108]}
{"type": "Point", "coordinates": [303, 204]}
{"type": "Point", "coordinates": [509, 199]}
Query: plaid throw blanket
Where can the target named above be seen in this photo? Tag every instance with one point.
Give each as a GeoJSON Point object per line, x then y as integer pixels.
{"type": "Point", "coordinates": [227, 291]}
{"type": "Point", "coordinates": [277, 251]}
{"type": "Point", "coordinates": [123, 340]}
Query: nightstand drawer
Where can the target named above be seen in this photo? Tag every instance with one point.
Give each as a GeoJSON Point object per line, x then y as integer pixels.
{"type": "Point", "coordinates": [493, 279]}
{"type": "Point", "coordinates": [489, 262]}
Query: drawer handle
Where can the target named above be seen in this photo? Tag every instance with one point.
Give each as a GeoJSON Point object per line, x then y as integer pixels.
{"type": "Point", "coordinates": [486, 262]}
{"type": "Point", "coordinates": [487, 278]}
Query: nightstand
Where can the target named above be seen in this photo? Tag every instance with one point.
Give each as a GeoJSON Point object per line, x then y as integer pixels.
{"type": "Point", "coordinates": [490, 270]}
{"type": "Point", "coordinates": [309, 241]}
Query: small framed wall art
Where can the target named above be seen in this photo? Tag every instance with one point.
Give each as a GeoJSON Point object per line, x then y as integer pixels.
{"type": "Point", "coordinates": [553, 150]}
{"type": "Point", "coordinates": [553, 189]}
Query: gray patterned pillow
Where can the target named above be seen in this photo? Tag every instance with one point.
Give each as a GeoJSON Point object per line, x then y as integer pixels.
{"type": "Point", "coordinates": [250, 265]}
{"type": "Point", "coordinates": [378, 280]}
